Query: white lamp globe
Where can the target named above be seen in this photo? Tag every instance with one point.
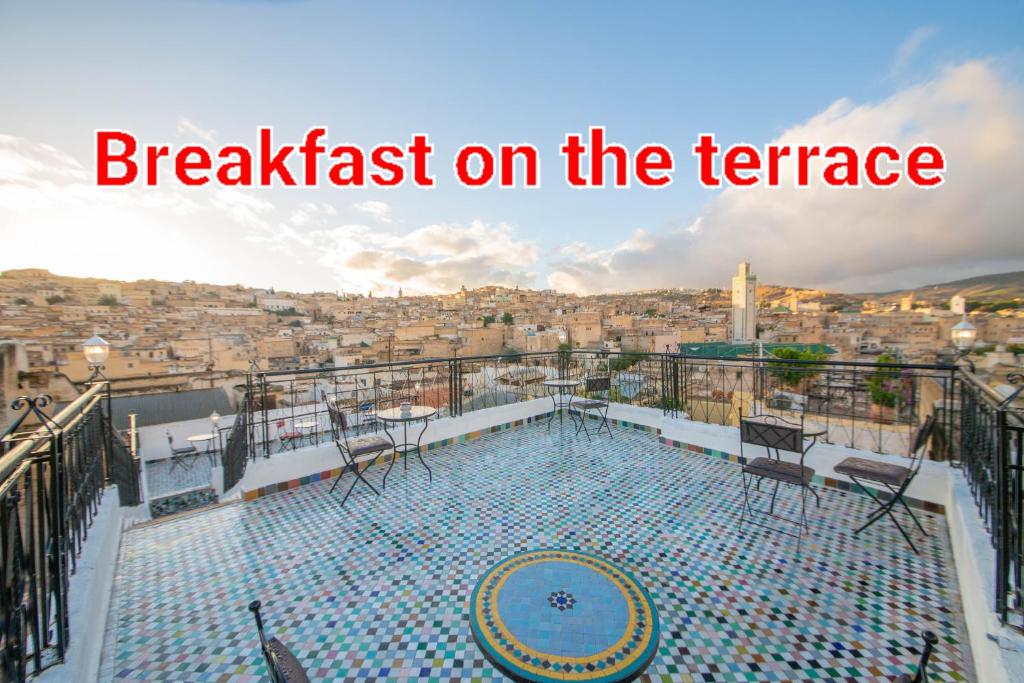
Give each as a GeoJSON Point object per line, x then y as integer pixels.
{"type": "Point", "coordinates": [96, 350]}
{"type": "Point", "coordinates": [964, 335]}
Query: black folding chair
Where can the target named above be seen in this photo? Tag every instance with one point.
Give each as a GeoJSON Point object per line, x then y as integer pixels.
{"type": "Point", "coordinates": [350, 450]}
{"type": "Point", "coordinates": [896, 478]}
{"type": "Point", "coordinates": [281, 663]}
{"type": "Point", "coordinates": [599, 405]}
{"type": "Point", "coordinates": [921, 675]}
{"type": "Point", "coordinates": [776, 434]}
{"type": "Point", "coordinates": [181, 457]}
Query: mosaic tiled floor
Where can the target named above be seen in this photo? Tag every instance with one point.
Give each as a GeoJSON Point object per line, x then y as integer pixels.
{"type": "Point", "coordinates": [378, 591]}
{"type": "Point", "coordinates": [162, 477]}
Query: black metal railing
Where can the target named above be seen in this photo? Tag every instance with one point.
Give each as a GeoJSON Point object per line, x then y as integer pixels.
{"type": "Point", "coordinates": [235, 453]}
{"type": "Point", "coordinates": [53, 472]}
{"type": "Point", "coordinates": [864, 405]}
{"type": "Point", "coordinates": [991, 443]}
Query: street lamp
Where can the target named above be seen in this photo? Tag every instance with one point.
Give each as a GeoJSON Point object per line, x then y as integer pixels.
{"type": "Point", "coordinates": [964, 334]}
{"type": "Point", "coordinates": [96, 350]}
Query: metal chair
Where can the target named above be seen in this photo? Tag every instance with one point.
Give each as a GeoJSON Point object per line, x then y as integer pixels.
{"type": "Point", "coordinates": [286, 437]}
{"type": "Point", "coordinates": [921, 675]}
{"type": "Point", "coordinates": [281, 663]}
{"type": "Point", "coordinates": [599, 406]}
{"type": "Point", "coordinates": [367, 417]}
{"type": "Point", "coordinates": [776, 434]}
{"type": "Point", "coordinates": [181, 457]}
{"type": "Point", "coordinates": [352, 449]}
{"type": "Point", "coordinates": [895, 478]}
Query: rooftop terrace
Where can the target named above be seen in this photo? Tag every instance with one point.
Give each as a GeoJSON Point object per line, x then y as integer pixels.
{"type": "Point", "coordinates": [149, 573]}
{"type": "Point", "coordinates": [378, 590]}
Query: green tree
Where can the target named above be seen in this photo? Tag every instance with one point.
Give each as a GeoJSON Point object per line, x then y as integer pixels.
{"type": "Point", "coordinates": [108, 300]}
{"type": "Point", "coordinates": [488, 319]}
{"type": "Point", "coordinates": [796, 375]}
{"type": "Point", "coordinates": [55, 299]}
{"type": "Point", "coordinates": [625, 361]}
{"type": "Point", "coordinates": [21, 301]}
{"type": "Point", "coordinates": [506, 318]}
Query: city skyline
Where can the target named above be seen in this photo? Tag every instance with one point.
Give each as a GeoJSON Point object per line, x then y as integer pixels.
{"type": "Point", "coordinates": [942, 77]}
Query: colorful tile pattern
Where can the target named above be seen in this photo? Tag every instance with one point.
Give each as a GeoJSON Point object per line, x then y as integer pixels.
{"type": "Point", "coordinates": [182, 501]}
{"type": "Point", "coordinates": [377, 590]}
{"type": "Point", "coordinates": [164, 477]}
{"type": "Point", "coordinates": [610, 635]}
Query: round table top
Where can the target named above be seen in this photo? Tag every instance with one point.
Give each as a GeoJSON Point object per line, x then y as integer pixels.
{"type": "Point", "coordinates": [415, 413]}
{"type": "Point", "coordinates": [561, 615]}
{"type": "Point", "coordinates": [201, 437]}
{"type": "Point", "coordinates": [562, 383]}
{"type": "Point", "coordinates": [305, 424]}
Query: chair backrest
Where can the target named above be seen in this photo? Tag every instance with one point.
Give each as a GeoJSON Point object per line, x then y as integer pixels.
{"type": "Point", "coordinates": [921, 675]}
{"type": "Point", "coordinates": [339, 425]}
{"type": "Point", "coordinates": [598, 384]}
{"type": "Point", "coordinates": [772, 432]}
{"type": "Point", "coordinates": [281, 663]}
{"type": "Point", "coordinates": [919, 444]}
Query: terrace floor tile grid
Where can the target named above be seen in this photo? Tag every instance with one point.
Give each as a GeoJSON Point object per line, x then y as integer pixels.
{"type": "Point", "coordinates": [378, 590]}
{"type": "Point", "coordinates": [163, 477]}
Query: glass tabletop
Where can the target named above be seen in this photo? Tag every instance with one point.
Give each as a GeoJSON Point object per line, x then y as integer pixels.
{"type": "Point", "coordinates": [562, 383]}
{"type": "Point", "coordinates": [415, 413]}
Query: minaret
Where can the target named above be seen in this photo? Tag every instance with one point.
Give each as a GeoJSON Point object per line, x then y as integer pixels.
{"type": "Point", "coordinates": [744, 305]}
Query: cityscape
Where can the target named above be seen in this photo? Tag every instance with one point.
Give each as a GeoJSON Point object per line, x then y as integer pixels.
{"type": "Point", "coordinates": [178, 336]}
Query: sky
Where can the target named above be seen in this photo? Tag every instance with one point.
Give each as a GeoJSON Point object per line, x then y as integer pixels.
{"type": "Point", "coordinates": [210, 71]}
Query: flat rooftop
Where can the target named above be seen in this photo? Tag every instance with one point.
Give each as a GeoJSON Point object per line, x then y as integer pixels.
{"type": "Point", "coordinates": [378, 590]}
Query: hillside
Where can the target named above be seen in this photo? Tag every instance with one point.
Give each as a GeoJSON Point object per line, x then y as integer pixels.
{"type": "Point", "coordinates": [984, 288]}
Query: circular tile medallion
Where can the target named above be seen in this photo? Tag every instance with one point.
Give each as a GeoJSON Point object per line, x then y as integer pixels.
{"type": "Point", "coordinates": [561, 615]}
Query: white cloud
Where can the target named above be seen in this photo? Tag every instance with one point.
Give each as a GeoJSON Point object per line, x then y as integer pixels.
{"type": "Point", "coordinates": [380, 211]}
{"type": "Point", "coordinates": [187, 127]}
{"type": "Point", "coordinates": [432, 259]}
{"type": "Point", "coordinates": [857, 238]}
{"type": "Point", "coordinates": [909, 48]}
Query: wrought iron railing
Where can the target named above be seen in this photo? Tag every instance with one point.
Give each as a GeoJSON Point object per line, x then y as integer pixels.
{"type": "Point", "coordinates": [991, 441]}
{"type": "Point", "coordinates": [236, 454]}
{"type": "Point", "coordinates": [864, 405]}
{"type": "Point", "coordinates": [53, 472]}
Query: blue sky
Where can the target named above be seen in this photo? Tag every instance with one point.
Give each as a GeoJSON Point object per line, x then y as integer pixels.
{"type": "Point", "coordinates": [177, 71]}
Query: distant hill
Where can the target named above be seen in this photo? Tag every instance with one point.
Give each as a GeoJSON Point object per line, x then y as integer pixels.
{"type": "Point", "coordinates": [985, 288]}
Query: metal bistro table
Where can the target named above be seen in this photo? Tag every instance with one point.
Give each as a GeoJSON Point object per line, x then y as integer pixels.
{"type": "Point", "coordinates": [207, 438]}
{"type": "Point", "coordinates": [556, 389]}
{"type": "Point", "coordinates": [306, 429]}
{"type": "Point", "coordinates": [561, 615]}
{"type": "Point", "coordinates": [394, 416]}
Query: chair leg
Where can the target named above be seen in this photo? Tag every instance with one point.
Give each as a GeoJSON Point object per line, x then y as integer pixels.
{"type": "Point", "coordinates": [885, 510]}
{"type": "Point", "coordinates": [354, 465]}
{"type": "Point", "coordinates": [775, 491]}
{"type": "Point", "coordinates": [584, 414]}
{"type": "Point", "coordinates": [604, 423]}
{"type": "Point", "coordinates": [746, 500]}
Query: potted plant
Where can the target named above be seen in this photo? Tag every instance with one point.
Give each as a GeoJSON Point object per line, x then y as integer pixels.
{"type": "Point", "coordinates": [888, 389]}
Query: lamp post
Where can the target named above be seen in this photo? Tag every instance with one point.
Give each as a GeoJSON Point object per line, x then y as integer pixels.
{"type": "Point", "coordinates": [964, 334]}
{"type": "Point", "coordinates": [214, 419]}
{"type": "Point", "coordinates": [96, 350]}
